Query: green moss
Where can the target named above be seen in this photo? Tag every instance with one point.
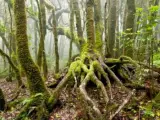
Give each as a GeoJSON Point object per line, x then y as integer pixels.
{"type": "Point", "coordinates": [35, 81]}
{"type": "Point", "coordinates": [38, 111]}
{"type": "Point", "coordinates": [55, 42]}
{"type": "Point", "coordinates": [90, 25]}
{"type": "Point", "coordinates": [98, 25]}
{"type": "Point", "coordinates": [78, 23]}
{"type": "Point", "coordinates": [99, 32]}
{"type": "Point", "coordinates": [57, 76]}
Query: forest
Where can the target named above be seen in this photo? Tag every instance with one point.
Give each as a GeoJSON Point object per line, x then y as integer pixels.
{"type": "Point", "coordinates": [79, 60]}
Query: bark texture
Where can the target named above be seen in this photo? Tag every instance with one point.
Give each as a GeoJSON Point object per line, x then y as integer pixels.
{"type": "Point", "coordinates": [35, 81]}
{"type": "Point", "coordinates": [112, 27]}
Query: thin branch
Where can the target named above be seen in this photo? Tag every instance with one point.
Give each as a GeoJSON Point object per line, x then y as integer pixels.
{"type": "Point", "coordinates": [123, 104]}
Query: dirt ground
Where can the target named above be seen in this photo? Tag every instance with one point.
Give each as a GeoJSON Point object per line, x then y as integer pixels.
{"type": "Point", "coordinates": [69, 106]}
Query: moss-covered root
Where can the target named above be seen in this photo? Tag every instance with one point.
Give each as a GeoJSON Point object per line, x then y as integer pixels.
{"type": "Point", "coordinates": [34, 108]}
{"type": "Point", "coordinates": [85, 95]}
{"type": "Point", "coordinates": [112, 74]}
{"type": "Point", "coordinates": [99, 68]}
{"type": "Point", "coordinates": [2, 101]}
{"type": "Point", "coordinates": [91, 76]}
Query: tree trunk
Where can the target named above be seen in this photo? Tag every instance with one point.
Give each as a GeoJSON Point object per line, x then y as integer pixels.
{"type": "Point", "coordinates": [55, 41]}
{"type": "Point", "coordinates": [41, 52]}
{"type": "Point", "coordinates": [129, 27]}
{"type": "Point", "coordinates": [112, 27]}
{"type": "Point", "coordinates": [71, 30]}
{"type": "Point", "coordinates": [90, 25]}
{"type": "Point", "coordinates": [35, 81]}
{"type": "Point", "coordinates": [98, 24]}
{"type": "Point", "coordinates": [78, 22]}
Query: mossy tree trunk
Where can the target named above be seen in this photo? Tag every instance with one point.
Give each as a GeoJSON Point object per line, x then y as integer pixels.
{"type": "Point", "coordinates": [90, 25]}
{"type": "Point", "coordinates": [105, 28]}
{"type": "Point", "coordinates": [41, 98]}
{"type": "Point", "coordinates": [55, 41]}
{"type": "Point", "coordinates": [36, 40]}
{"type": "Point", "coordinates": [129, 27]}
{"type": "Point", "coordinates": [35, 81]}
{"type": "Point", "coordinates": [41, 61]}
{"type": "Point", "coordinates": [71, 30]}
{"type": "Point", "coordinates": [10, 40]}
{"type": "Point", "coordinates": [112, 27]}
{"type": "Point", "coordinates": [78, 22]}
{"type": "Point", "coordinates": [98, 24]}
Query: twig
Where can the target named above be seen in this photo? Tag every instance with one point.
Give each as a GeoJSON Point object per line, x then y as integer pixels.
{"type": "Point", "coordinates": [75, 85]}
{"type": "Point", "coordinates": [123, 104]}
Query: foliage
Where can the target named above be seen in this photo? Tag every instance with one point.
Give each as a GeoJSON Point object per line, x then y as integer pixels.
{"type": "Point", "coordinates": [144, 36]}
{"type": "Point", "coordinates": [156, 59]}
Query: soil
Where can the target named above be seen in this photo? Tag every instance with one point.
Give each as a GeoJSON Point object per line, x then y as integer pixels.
{"type": "Point", "coordinates": [69, 106]}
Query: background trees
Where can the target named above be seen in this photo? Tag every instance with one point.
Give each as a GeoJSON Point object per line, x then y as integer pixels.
{"type": "Point", "coordinates": [86, 36]}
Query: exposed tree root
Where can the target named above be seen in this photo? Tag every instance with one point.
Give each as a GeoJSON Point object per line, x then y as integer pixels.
{"type": "Point", "coordinates": [87, 68]}
{"type": "Point", "coordinates": [90, 67]}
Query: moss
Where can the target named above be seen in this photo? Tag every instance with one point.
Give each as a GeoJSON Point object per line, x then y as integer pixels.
{"type": "Point", "coordinates": [55, 42]}
{"type": "Point", "coordinates": [35, 81]}
{"type": "Point", "coordinates": [37, 112]}
{"type": "Point", "coordinates": [90, 25]}
{"type": "Point", "coordinates": [51, 102]}
{"type": "Point", "coordinates": [78, 22]}
{"type": "Point", "coordinates": [57, 76]}
{"type": "Point", "coordinates": [41, 59]}
{"type": "Point", "coordinates": [111, 28]}
{"type": "Point", "coordinates": [71, 30]}
{"type": "Point", "coordinates": [157, 98]}
{"type": "Point", "coordinates": [74, 65]}
{"type": "Point", "coordinates": [99, 42]}
{"type": "Point", "coordinates": [98, 25]}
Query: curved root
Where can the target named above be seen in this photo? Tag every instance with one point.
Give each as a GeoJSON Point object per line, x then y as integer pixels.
{"type": "Point", "coordinates": [85, 95]}
{"type": "Point", "coordinates": [85, 69]}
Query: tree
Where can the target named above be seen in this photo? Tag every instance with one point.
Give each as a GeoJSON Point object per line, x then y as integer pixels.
{"type": "Point", "coordinates": [111, 27]}
{"type": "Point", "coordinates": [55, 41]}
{"type": "Point", "coordinates": [41, 60]}
{"type": "Point", "coordinates": [78, 22]}
{"type": "Point", "coordinates": [35, 82]}
{"type": "Point", "coordinates": [98, 24]}
{"type": "Point", "coordinates": [85, 30]}
{"type": "Point", "coordinates": [130, 27]}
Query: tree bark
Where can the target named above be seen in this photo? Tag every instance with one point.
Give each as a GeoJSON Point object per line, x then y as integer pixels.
{"type": "Point", "coordinates": [98, 24]}
{"type": "Point", "coordinates": [112, 27]}
{"type": "Point", "coordinates": [130, 25]}
{"type": "Point", "coordinates": [71, 30]}
{"type": "Point", "coordinates": [90, 25]}
{"type": "Point", "coordinates": [55, 42]}
{"type": "Point", "coordinates": [78, 22]}
{"type": "Point", "coordinates": [41, 52]}
{"type": "Point", "coordinates": [35, 81]}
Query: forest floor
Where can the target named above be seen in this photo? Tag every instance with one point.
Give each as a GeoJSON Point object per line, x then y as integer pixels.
{"type": "Point", "coordinates": [69, 107]}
